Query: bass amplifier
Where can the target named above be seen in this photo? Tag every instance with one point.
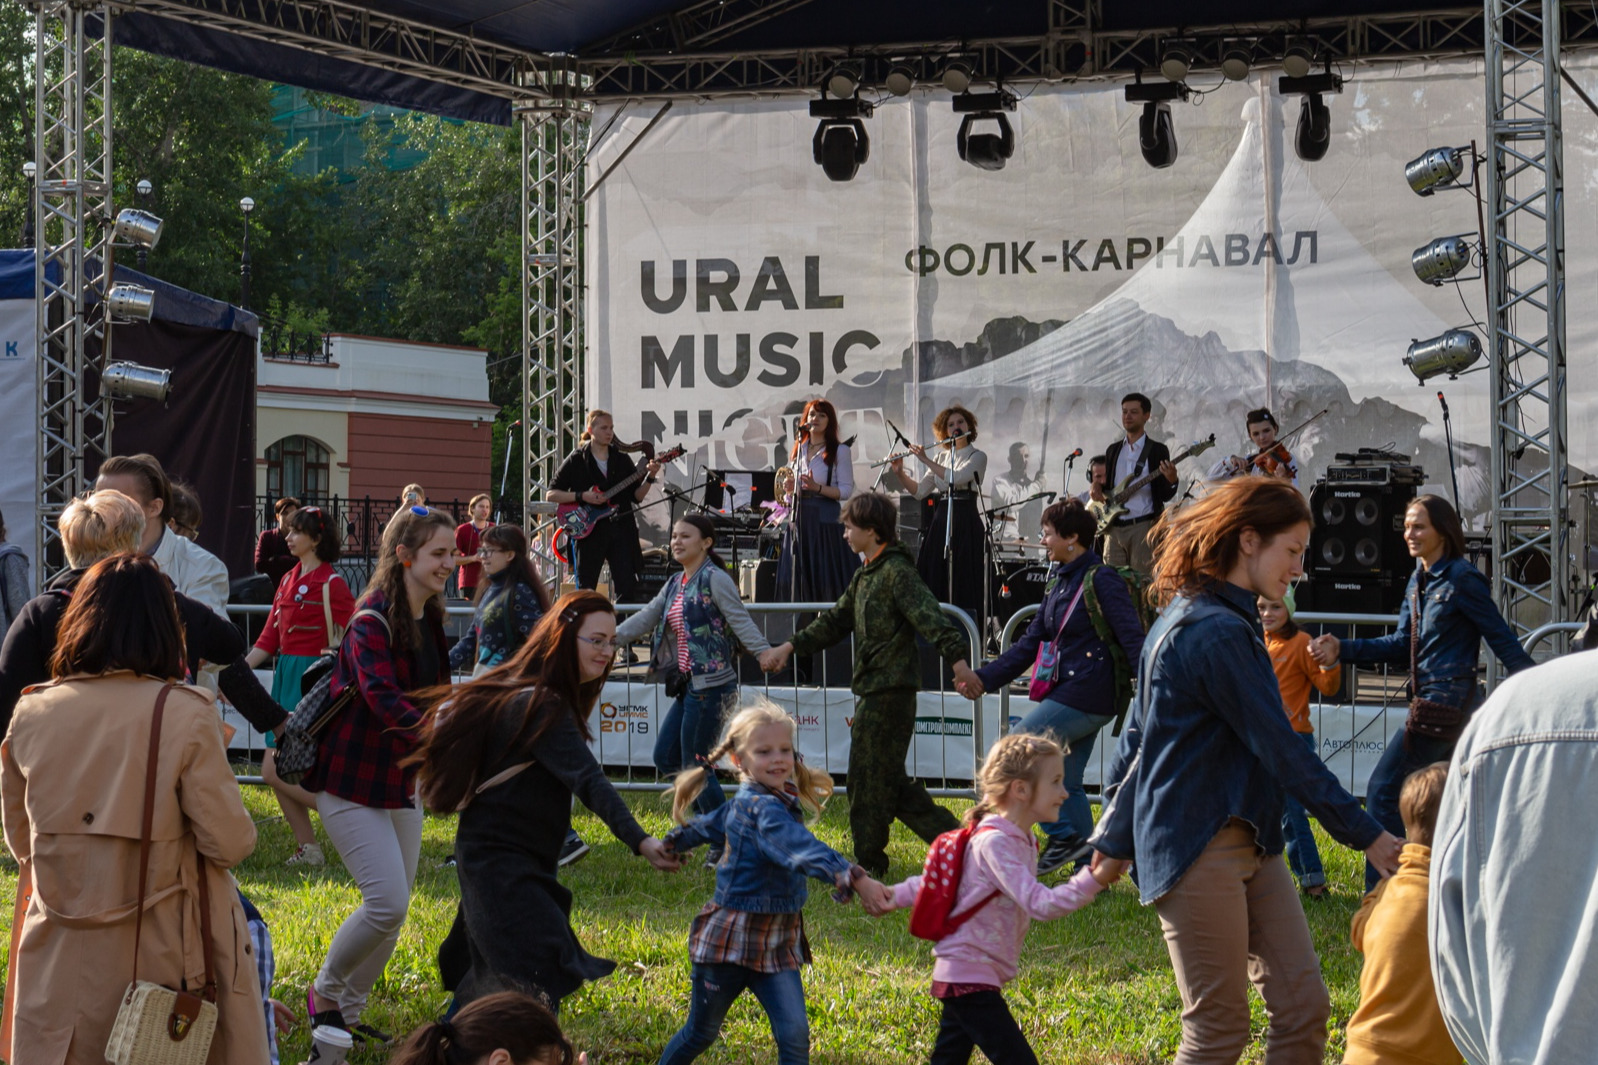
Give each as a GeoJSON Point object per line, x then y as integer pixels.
{"type": "Point", "coordinates": [1376, 474]}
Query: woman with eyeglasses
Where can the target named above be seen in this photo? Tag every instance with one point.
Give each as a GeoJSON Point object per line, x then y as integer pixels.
{"type": "Point", "coordinates": [309, 612]}
{"type": "Point", "coordinates": [508, 752]}
{"type": "Point", "coordinates": [509, 602]}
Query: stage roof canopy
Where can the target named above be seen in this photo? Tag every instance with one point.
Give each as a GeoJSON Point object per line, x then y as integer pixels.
{"type": "Point", "coordinates": [476, 59]}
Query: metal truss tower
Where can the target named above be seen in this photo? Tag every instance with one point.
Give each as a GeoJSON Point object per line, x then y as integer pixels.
{"type": "Point", "coordinates": [554, 141]}
{"type": "Point", "coordinates": [72, 154]}
{"type": "Point", "coordinates": [1526, 279]}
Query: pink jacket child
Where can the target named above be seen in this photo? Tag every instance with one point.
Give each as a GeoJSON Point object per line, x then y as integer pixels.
{"type": "Point", "coordinates": [986, 950]}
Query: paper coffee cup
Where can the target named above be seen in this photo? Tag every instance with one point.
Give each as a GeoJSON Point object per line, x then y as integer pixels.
{"type": "Point", "coordinates": [329, 1045]}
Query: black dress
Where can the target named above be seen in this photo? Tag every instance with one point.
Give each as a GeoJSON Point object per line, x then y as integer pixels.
{"type": "Point", "coordinates": [513, 928]}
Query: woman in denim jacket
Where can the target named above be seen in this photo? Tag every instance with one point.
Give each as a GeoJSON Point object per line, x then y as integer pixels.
{"type": "Point", "coordinates": [699, 624]}
{"type": "Point", "coordinates": [1197, 784]}
{"type": "Point", "coordinates": [751, 935]}
{"type": "Point", "coordinates": [1456, 613]}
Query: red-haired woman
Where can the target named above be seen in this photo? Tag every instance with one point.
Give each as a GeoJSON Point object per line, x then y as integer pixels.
{"type": "Point", "coordinates": [509, 750]}
{"type": "Point", "coordinates": [816, 562]}
{"type": "Point", "coordinates": [1197, 785]}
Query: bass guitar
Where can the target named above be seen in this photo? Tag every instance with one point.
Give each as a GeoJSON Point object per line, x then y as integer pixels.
{"type": "Point", "coordinates": [578, 520]}
{"type": "Point", "coordinates": [1115, 506]}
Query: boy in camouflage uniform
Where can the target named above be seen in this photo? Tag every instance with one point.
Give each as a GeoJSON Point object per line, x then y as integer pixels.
{"type": "Point", "coordinates": [885, 606]}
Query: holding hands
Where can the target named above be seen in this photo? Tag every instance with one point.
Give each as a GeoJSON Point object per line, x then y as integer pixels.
{"type": "Point", "coordinates": [1325, 650]}
{"type": "Point", "coordinates": [1108, 870]}
{"type": "Point", "coordinates": [775, 659]}
{"type": "Point", "coordinates": [660, 855]}
{"type": "Point", "coordinates": [966, 681]}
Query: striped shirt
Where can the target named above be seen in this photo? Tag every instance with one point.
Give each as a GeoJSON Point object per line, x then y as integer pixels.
{"type": "Point", "coordinates": [680, 631]}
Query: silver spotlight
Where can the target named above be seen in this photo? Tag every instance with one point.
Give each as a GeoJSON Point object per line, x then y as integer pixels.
{"type": "Point", "coordinates": [134, 226]}
{"type": "Point", "coordinates": [128, 380]}
{"type": "Point", "coordinates": [1298, 59]}
{"type": "Point", "coordinates": [900, 80]}
{"type": "Point", "coordinates": [1236, 58]}
{"type": "Point", "coordinates": [1176, 60]}
{"type": "Point", "coordinates": [844, 81]}
{"type": "Point", "coordinates": [1437, 169]}
{"type": "Point", "coordinates": [1442, 259]}
{"type": "Point", "coordinates": [957, 76]}
{"type": "Point", "coordinates": [1452, 353]}
{"type": "Point", "coordinates": [130, 303]}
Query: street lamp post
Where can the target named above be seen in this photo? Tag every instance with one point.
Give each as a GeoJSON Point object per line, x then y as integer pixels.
{"type": "Point", "coordinates": [29, 171]}
{"type": "Point", "coordinates": [143, 188]}
{"type": "Point", "coordinates": [246, 205]}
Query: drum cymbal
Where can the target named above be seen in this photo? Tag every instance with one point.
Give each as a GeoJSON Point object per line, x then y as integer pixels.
{"type": "Point", "coordinates": [1591, 482]}
{"type": "Point", "coordinates": [1025, 544]}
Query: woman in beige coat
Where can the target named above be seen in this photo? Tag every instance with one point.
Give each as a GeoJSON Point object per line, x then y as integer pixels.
{"type": "Point", "coordinates": [72, 777]}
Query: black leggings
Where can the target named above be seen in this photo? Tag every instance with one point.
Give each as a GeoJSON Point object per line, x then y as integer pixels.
{"type": "Point", "coordinates": [980, 1020]}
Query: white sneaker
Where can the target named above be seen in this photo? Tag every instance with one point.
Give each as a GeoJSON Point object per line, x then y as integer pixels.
{"type": "Point", "coordinates": [309, 854]}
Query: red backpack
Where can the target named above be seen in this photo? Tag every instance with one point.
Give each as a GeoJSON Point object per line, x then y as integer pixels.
{"type": "Point", "coordinates": [932, 914]}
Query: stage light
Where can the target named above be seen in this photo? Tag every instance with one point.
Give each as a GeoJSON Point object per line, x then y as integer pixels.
{"type": "Point", "coordinates": [1442, 259]}
{"type": "Point", "coordinates": [1314, 134]}
{"type": "Point", "coordinates": [1439, 168]}
{"type": "Point", "coordinates": [1236, 58]}
{"type": "Point", "coordinates": [900, 80]}
{"type": "Point", "coordinates": [130, 303]}
{"type": "Point", "coordinates": [127, 380]}
{"type": "Point", "coordinates": [1298, 59]}
{"type": "Point", "coordinates": [1452, 353]}
{"type": "Point", "coordinates": [840, 144]}
{"type": "Point", "coordinates": [844, 81]}
{"type": "Point", "coordinates": [1156, 133]}
{"type": "Point", "coordinates": [957, 76]}
{"type": "Point", "coordinates": [1176, 59]}
{"type": "Point", "coordinates": [986, 151]}
{"type": "Point", "coordinates": [137, 227]}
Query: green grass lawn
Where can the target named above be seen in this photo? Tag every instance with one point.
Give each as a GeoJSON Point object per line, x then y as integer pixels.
{"type": "Point", "coordinates": [1094, 987]}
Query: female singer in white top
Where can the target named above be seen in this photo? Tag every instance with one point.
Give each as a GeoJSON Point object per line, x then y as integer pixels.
{"type": "Point", "coordinates": [816, 562]}
{"type": "Point", "coordinates": [954, 468]}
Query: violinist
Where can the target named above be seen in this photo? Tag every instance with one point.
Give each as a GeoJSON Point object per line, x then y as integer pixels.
{"type": "Point", "coordinates": [1269, 458]}
{"type": "Point", "coordinates": [598, 464]}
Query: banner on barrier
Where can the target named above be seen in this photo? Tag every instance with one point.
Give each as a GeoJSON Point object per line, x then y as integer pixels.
{"type": "Point", "coordinates": [19, 415]}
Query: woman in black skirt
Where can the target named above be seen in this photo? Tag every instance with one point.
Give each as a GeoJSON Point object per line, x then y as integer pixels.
{"type": "Point", "coordinates": [816, 562]}
{"type": "Point", "coordinates": [509, 751]}
{"type": "Point", "coordinates": [954, 470]}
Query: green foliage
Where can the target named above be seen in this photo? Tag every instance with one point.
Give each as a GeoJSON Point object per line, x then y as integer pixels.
{"type": "Point", "coordinates": [16, 117]}
{"type": "Point", "coordinates": [1095, 987]}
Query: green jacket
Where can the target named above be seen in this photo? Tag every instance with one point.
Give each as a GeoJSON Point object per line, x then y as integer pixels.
{"type": "Point", "coordinates": [885, 606]}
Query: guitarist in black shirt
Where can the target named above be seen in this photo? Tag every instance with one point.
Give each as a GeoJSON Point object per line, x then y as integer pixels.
{"type": "Point", "coordinates": [1126, 540]}
{"type": "Point", "coordinates": [598, 464]}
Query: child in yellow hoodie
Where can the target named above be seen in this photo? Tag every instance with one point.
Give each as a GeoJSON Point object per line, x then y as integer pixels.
{"type": "Point", "coordinates": [1398, 1021]}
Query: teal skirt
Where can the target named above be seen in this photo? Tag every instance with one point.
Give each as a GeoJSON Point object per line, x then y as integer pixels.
{"type": "Point", "coordinates": [286, 683]}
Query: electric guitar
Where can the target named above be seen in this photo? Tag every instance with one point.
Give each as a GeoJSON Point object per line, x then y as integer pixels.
{"type": "Point", "coordinates": [577, 520]}
{"type": "Point", "coordinates": [1115, 506]}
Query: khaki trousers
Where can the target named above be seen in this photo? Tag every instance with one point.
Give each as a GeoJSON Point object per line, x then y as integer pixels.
{"type": "Point", "coordinates": [1235, 918]}
{"type": "Point", "coordinates": [1128, 545]}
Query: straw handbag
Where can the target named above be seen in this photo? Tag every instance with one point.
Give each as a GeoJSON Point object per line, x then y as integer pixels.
{"type": "Point", "coordinates": [158, 1025]}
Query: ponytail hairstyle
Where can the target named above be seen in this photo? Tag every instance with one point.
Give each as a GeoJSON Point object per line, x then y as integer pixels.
{"type": "Point", "coordinates": [511, 538]}
{"type": "Point", "coordinates": [1017, 756]}
{"type": "Point", "coordinates": [517, 1023]}
{"type": "Point", "coordinates": [465, 727]}
{"type": "Point", "coordinates": [815, 785]}
{"type": "Point", "coordinates": [707, 531]}
{"type": "Point", "coordinates": [319, 525]}
{"type": "Point", "coordinates": [1197, 546]}
{"type": "Point", "coordinates": [388, 576]}
{"type": "Point", "coordinates": [588, 425]}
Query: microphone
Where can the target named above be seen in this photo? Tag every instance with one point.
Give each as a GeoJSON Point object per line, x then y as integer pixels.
{"type": "Point", "coordinates": [896, 431]}
{"type": "Point", "coordinates": [1444, 402]}
{"type": "Point", "coordinates": [1051, 496]}
{"type": "Point", "coordinates": [1070, 460]}
{"type": "Point", "coordinates": [1077, 453]}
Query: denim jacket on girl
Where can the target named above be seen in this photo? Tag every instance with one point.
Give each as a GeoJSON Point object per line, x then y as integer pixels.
{"type": "Point", "coordinates": [714, 618]}
{"type": "Point", "coordinates": [1456, 614]}
{"type": "Point", "coordinates": [768, 851]}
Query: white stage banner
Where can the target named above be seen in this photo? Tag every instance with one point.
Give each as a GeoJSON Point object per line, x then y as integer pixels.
{"type": "Point", "coordinates": [731, 280]}
{"type": "Point", "coordinates": [19, 427]}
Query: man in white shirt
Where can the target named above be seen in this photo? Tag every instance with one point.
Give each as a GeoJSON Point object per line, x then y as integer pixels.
{"type": "Point", "coordinates": [195, 572]}
{"type": "Point", "coordinates": [1126, 541]}
{"type": "Point", "coordinates": [1009, 488]}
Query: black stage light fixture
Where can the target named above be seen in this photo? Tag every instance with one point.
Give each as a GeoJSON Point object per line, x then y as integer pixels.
{"type": "Point", "coordinates": [1156, 133]}
{"type": "Point", "coordinates": [1237, 56]}
{"type": "Point", "coordinates": [901, 79]}
{"type": "Point", "coordinates": [957, 76]}
{"type": "Point", "coordinates": [844, 81]}
{"type": "Point", "coordinates": [840, 145]}
{"type": "Point", "coordinates": [1314, 135]}
{"type": "Point", "coordinates": [1176, 59]}
{"type": "Point", "coordinates": [1298, 58]}
{"type": "Point", "coordinates": [986, 151]}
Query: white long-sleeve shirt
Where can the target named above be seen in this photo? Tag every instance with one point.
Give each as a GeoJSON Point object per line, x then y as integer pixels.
{"type": "Point", "coordinates": [842, 471]}
{"type": "Point", "coordinates": [965, 468]}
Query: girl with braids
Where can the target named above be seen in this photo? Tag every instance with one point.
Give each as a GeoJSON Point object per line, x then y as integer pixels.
{"type": "Point", "coordinates": [507, 1028]}
{"type": "Point", "coordinates": [509, 751]}
{"type": "Point", "coordinates": [751, 935]}
{"type": "Point", "coordinates": [394, 648]}
{"type": "Point", "coordinates": [699, 625]}
{"type": "Point", "coordinates": [1022, 781]}
{"type": "Point", "coordinates": [510, 600]}
{"type": "Point", "coordinates": [1196, 787]}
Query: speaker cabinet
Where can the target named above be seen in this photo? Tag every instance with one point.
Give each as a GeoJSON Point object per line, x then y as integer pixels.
{"type": "Point", "coordinates": [1359, 530]}
{"type": "Point", "coordinates": [1351, 595]}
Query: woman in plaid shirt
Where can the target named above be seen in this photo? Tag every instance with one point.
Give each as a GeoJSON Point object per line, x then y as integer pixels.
{"type": "Point", "coordinates": [394, 647]}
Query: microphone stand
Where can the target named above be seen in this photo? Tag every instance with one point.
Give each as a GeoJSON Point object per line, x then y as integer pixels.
{"type": "Point", "coordinates": [1448, 435]}
{"type": "Point", "coordinates": [1070, 467]}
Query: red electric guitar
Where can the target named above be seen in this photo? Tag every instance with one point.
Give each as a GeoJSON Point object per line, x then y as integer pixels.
{"type": "Point", "coordinates": [577, 520]}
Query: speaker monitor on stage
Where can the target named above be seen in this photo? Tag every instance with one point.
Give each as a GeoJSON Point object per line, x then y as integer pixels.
{"type": "Point", "coordinates": [1359, 530]}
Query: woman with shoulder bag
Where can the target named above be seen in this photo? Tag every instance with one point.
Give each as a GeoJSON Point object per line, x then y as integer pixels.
{"type": "Point", "coordinates": [509, 602]}
{"type": "Point", "coordinates": [309, 612]}
{"type": "Point", "coordinates": [1448, 610]}
{"type": "Point", "coordinates": [76, 777]}
{"type": "Point", "coordinates": [1073, 680]}
{"type": "Point", "coordinates": [699, 625]}
{"type": "Point", "coordinates": [367, 795]}
{"type": "Point", "coordinates": [510, 752]}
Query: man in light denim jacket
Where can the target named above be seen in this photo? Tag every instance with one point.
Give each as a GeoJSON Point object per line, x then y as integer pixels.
{"type": "Point", "coordinates": [1513, 925]}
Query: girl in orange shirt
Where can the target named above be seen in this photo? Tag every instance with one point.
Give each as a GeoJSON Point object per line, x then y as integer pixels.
{"type": "Point", "coordinates": [1296, 672]}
